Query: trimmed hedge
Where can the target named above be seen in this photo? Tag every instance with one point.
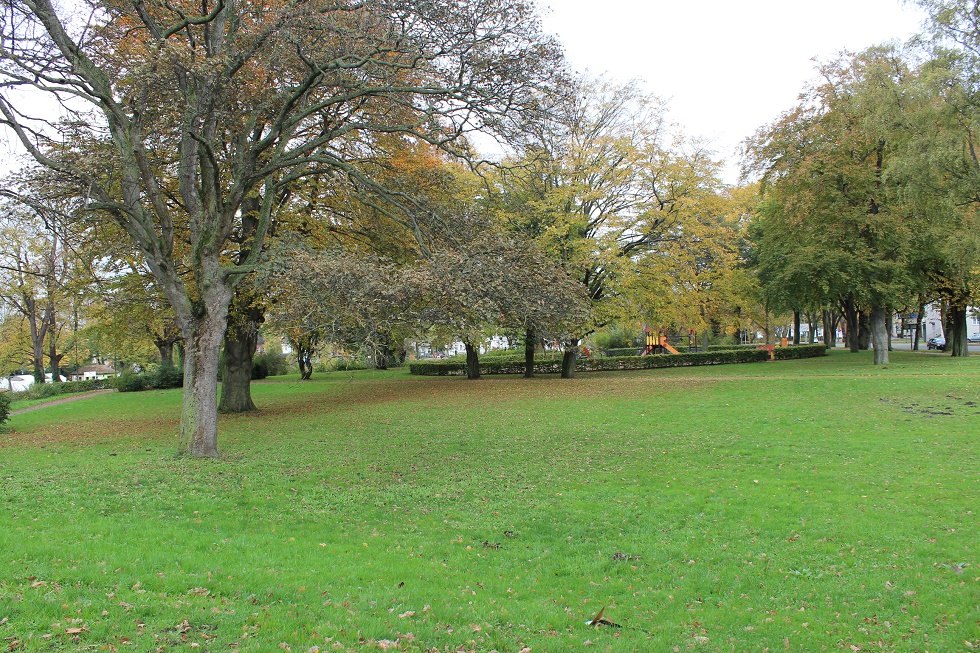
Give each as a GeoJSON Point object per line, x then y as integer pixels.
{"type": "Point", "coordinates": [552, 365]}
{"type": "Point", "coordinates": [622, 351]}
{"type": "Point", "coordinates": [799, 351]}
{"type": "Point", "coordinates": [161, 378]}
{"type": "Point", "coordinates": [45, 390]}
{"type": "Point", "coordinates": [86, 385]}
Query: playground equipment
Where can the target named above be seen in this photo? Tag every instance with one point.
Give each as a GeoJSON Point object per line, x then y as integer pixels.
{"type": "Point", "coordinates": [656, 343]}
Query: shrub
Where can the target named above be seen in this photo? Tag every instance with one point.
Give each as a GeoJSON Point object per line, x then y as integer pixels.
{"type": "Point", "coordinates": [260, 369]}
{"type": "Point", "coordinates": [86, 385]}
{"type": "Point", "coordinates": [165, 376]}
{"type": "Point", "coordinates": [799, 351]}
{"type": "Point", "coordinates": [41, 391]}
{"type": "Point", "coordinates": [131, 382]}
{"type": "Point", "coordinates": [622, 351]}
{"type": "Point", "coordinates": [276, 362]}
{"type": "Point", "coordinates": [552, 364]}
{"type": "Point", "coordinates": [4, 407]}
{"type": "Point", "coordinates": [339, 364]}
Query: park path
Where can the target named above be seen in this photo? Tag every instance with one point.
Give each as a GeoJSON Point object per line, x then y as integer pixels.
{"type": "Point", "coordinates": [63, 400]}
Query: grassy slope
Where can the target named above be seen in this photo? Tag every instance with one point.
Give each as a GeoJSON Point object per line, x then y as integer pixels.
{"type": "Point", "coordinates": [807, 505]}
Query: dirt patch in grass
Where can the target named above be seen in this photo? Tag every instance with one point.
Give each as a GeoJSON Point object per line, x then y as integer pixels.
{"type": "Point", "coordinates": [355, 395]}
{"type": "Point", "coordinates": [490, 390]}
{"type": "Point", "coordinates": [90, 432]}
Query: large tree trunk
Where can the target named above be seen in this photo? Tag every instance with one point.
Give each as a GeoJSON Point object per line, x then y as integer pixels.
{"type": "Point", "coordinates": [889, 327]}
{"type": "Point", "coordinates": [529, 341]}
{"type": "Point", "coordinates": [879, 333]}
{"type": "Point", "coordinates": [54, 358]}
{"type": "Point", "coordinates": [918, 327]}
{"type": "Point", "coordinates": [166, 349]}
{"type": "Point", "coordinates": [382, 353]}
{"type": "Point", "coordinates": [472, 362]}
{"type": "Point", "coordinates": [568, 359]}
{"type": "Point", "coordinates": [851, 321]}
{"type": "Point", "coordinates": [829, 329]}
{"type": "Point", "coordinates": [304, 358]}
{"type": "Point", "coordinates": [241, 340]}
{"type": "Point", "coordinates": [956, 342]}
{"type": "Point", "coordinates": [37, 360]}
{"type": "Point", "coordinates": [37, 340]}
{"type": "Point", "coordinates": [796, 327]}
{"type": "Point", "coordinates": [203, 333]}
{"type": "Point", "coordinates": [864, 330]}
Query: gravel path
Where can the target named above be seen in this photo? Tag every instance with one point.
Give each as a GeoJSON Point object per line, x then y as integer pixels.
{"type": "Point", "coordinates": [63, 400]}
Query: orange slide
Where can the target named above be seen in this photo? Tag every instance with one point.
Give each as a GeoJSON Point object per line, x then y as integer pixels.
{"type": "Point", "coordinates": [666, 345]}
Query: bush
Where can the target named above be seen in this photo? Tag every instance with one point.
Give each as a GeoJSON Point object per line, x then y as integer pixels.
{"type": "Point", "coordinates": [40, 391]}
{"type": "Point", "coordinates": [799, 351]}
{"type": "Point", "coordinates": [552, 364]}
{"type": "Point", "coordinates": [339, 364]}
{"type": "Point", "coordinates": [165, 376]}
{"type": "Point", "coordinates": [4, 407]}
{"type": "Point", "coordinates": [622, 351]}
{"type": "Point", "coordinates": [131, 382]}
{"type": "Point", "coordinates": [260, 369]}
{"type": "Point", "coordinates": [87, 385]}
{"type": "Point", "coordinates": [269, 363]}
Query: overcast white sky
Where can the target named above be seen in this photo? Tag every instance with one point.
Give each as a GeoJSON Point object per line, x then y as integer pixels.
{"type": "Point", "coordinates": [726, 66]}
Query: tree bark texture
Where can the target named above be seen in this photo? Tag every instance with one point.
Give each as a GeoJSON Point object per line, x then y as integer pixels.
{"type": "Point", "coordinates": [879, 334]}
{"type": "Point", "coordinates": [829, 329]}
{"type": "Point", "coordinates": [304, 358]}
{"type": "Point", "coordinates": [37, 360]}
{"type": "Point", "coordinates": [851, 322]}
{"type": "Point", "coordinates": [864, 330]}
{"type": "Point", "coordinates": [203, 332]}
{"type": "Point", "coordinates": [956, 342]}
{"type": "Point", "coordinates": [796, 327]}
{"type": "Point", "coordinates": [241, 340]}
{"type": "Point", "coordinates": [529, 342]}
{"type": "Point", "coordinates": [166, 350]}
{"type": "Point", "coordinates": [472, 362]}
{"type": "Point", "coordinates": [918, 327]}
{"type": "Point", "coordinates": [568, 359]}
{"type": "Point", "coordinates": [382, 355]}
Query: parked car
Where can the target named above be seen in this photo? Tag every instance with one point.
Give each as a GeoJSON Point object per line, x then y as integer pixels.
{"type": "Point", "coordinates": [973, 337]}
{"type": "Point", "coordinates": [939, 342]}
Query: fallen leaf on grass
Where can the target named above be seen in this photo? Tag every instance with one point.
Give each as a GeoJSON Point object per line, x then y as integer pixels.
{"type": "Point", "coordinates": [74, 631]}
{"type": "Point", "coordinates": [405, 615]}
{"type": "Point", "coordinates": [598, 620]}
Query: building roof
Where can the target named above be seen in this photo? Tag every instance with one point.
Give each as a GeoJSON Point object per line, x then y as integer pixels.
{"type": "Point", "coordinates": [97, 368]}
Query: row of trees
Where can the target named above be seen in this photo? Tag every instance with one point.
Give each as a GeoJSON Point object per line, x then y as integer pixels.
{"type": "Point", "coordinates": [214, 168]}
{"type": "Point", "coordinates": [871, 187]}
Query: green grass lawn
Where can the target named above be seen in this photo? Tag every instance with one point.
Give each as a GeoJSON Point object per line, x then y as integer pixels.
{"type": "Point", "coordinates": [806, 505]}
